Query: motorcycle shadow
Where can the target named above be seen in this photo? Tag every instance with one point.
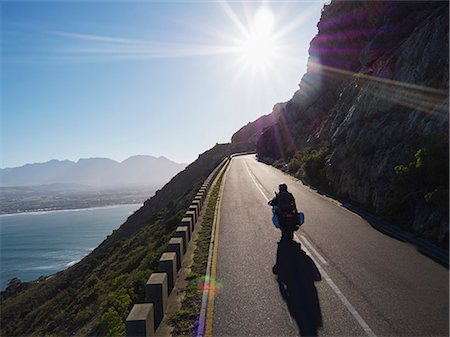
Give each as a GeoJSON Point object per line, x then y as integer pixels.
{"type": "Point", "coordinates": [297, 273]}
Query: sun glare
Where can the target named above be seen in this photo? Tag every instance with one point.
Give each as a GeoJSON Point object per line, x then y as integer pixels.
{"type": "Point", "coordinates": [259, 46]}
{"type": "Point", "coordinates": [264, 21]}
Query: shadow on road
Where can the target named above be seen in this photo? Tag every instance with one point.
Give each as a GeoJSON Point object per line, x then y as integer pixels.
{"type": "Point", "coordinates": [297, 273]}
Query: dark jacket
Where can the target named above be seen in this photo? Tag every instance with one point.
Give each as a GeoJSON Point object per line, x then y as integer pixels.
{"type": "Point", "coordinates": [285, 202]}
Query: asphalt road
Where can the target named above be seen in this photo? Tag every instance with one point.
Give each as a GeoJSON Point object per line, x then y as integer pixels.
{"type": "Point", "coordinates": [342, 277]}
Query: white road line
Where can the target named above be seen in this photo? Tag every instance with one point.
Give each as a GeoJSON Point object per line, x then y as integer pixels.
{"type": "Point", "coordinates": [310, 246]}
{"type": "Point", "coordinates": [344, 299]}
{"type": "Point", "coordinates": [256, 183]}
{"type": "Point", "coordinates": [322, 271]}
{"type": "Point", "coordinates": [340, 295]}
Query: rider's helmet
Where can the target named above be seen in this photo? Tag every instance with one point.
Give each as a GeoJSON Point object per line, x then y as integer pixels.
{"type": "Point", "coordinates": [282, 187]}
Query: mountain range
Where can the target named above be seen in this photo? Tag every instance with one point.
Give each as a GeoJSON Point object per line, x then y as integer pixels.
{"type": "Point", "coordinates": [142, 170]}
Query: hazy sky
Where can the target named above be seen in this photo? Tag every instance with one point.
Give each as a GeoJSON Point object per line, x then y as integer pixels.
{"type": "Point", "coordinates": [115, 79]}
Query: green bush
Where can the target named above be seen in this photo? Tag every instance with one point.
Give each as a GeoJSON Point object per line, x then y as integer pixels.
{"type": "Point", "coordinates": [314, 165]}
{"type": "Point", "coordinates": [425, 178]}
{"type": "Point", "coordinates": [309, 164]}
{"type": "Point", "coordinates": [83, 316]}
{"type": "Point", "coordinates": [294, 164]}
{"type": "Point", "coordinates": [117, 307]}
{"type": "Point", "coordinates": [438, 197]}
{"type": "Point", "coordinates": [111, 324]}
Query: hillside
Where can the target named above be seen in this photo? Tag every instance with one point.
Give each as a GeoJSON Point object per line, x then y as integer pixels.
{"type": "Point", "coordinates": [96, 172]}
{"type": "Point", "coordinates": [94, 296]}
{"type": "Point", "coordinates": [369, 123]}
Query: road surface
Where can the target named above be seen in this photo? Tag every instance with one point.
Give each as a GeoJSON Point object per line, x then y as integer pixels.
{"type": "Point", "coordinates": [341, 278]}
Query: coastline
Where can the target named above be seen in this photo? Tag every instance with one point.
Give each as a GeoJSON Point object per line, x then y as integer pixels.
{"type": "Point", "coordinates": [48, 242]}
{"type": "Point", "coordinates": [54, 210]}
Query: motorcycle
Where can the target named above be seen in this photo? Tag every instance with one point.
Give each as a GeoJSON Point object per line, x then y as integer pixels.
{"type": "Point", "coordinates": [299, 218]}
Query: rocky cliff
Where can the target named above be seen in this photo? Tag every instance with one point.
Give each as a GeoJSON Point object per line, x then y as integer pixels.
{"type": "Point", "coordinates": [369, 122]}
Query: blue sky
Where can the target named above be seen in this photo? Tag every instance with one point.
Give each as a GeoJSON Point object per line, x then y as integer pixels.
{"type": "Point", "coordinates": [116, 79]}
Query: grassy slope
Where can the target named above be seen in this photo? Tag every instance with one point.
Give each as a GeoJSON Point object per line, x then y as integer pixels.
{"type": "Point", "coordinates": [94, 296]}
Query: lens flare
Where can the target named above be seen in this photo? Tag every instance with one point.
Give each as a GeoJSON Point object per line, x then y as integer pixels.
{"type": "Point", "coordinates": [208, 283]}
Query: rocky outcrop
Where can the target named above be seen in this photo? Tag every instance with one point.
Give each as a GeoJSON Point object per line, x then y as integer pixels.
{"type": "Point", "coordinates": [251, 132]}
{"type": "Point", "coordinates": [374, 105]}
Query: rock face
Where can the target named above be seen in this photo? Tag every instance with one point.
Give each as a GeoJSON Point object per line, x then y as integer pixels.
{"type": "Point", "coordinates": [251, 132]}
{"type": "Point", "coordinates": [374, 103]}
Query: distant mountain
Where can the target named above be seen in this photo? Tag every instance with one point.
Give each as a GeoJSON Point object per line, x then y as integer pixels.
{"type": "Point", "coordinates": [97, 172]}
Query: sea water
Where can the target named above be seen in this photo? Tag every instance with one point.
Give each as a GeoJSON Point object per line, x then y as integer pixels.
{"type": "Point", "coordinates": [42, 243]}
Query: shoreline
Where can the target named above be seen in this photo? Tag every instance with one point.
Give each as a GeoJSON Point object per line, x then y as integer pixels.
{"type": "Point", "coordinates": [56, 258]}
{"type": "Point", "coordinates": [54, 210]}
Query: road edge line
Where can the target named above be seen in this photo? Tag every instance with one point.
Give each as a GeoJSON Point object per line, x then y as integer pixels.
{"type": "Point", "coordinates": [205, 318]}
{"type": "Point", "coordinates": [311, 247]}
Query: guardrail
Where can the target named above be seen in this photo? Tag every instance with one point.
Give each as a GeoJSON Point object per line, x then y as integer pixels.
{"type": "Point", "coordinates": [145, 318]}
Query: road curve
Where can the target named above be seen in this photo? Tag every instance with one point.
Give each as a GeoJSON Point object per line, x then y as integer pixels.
{"type": "Point", "coordinates": [342, 277]}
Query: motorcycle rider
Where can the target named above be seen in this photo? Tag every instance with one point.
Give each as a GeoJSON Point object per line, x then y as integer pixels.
{"type": "Point", "coordinates": [286, 211]}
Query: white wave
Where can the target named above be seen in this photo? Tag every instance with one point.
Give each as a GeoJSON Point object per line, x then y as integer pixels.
{"type": "Point", "coordinates": [71, 263]}
{"type": "Point", "coordinates": [48, 267]}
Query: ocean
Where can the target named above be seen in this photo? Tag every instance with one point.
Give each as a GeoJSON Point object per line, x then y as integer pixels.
{"type": "Point", "coordinates": [42, 243]}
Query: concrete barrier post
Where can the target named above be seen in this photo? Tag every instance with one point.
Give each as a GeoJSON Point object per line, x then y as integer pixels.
{"type": "Point", "coordinates": [187, 221]}
{"type": "Point", "coordinates": [168, 264]}
{"type": "Point", "coordinates": [203, 193]}
{"type": "Point", "coordinates": [191, 214]}
{"type": "Point", "coordinates": [198, 198]}
{"type": "Point", "coordinates": [156, 292]}
{"type": "Point", "coordinates": [196, 213]}
{"type": "Point", "coordinates": [195, 208]}
{"type": "Point", "coordinates": [202, 196]}
{"type": "Point", "coordinates": [183, 232]}
{"type": "Point", "coordinates": [140, 322]}
{"type": "Point", "coordinates": [176, 246]}
{"type": "Point", "coordinates": [197, 203]}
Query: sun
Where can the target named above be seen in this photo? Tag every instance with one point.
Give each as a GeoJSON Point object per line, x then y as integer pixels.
{"type": "Point", "coordinates": [264, 21]}
{"type": "Point", "coordinates": [258, 47]}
